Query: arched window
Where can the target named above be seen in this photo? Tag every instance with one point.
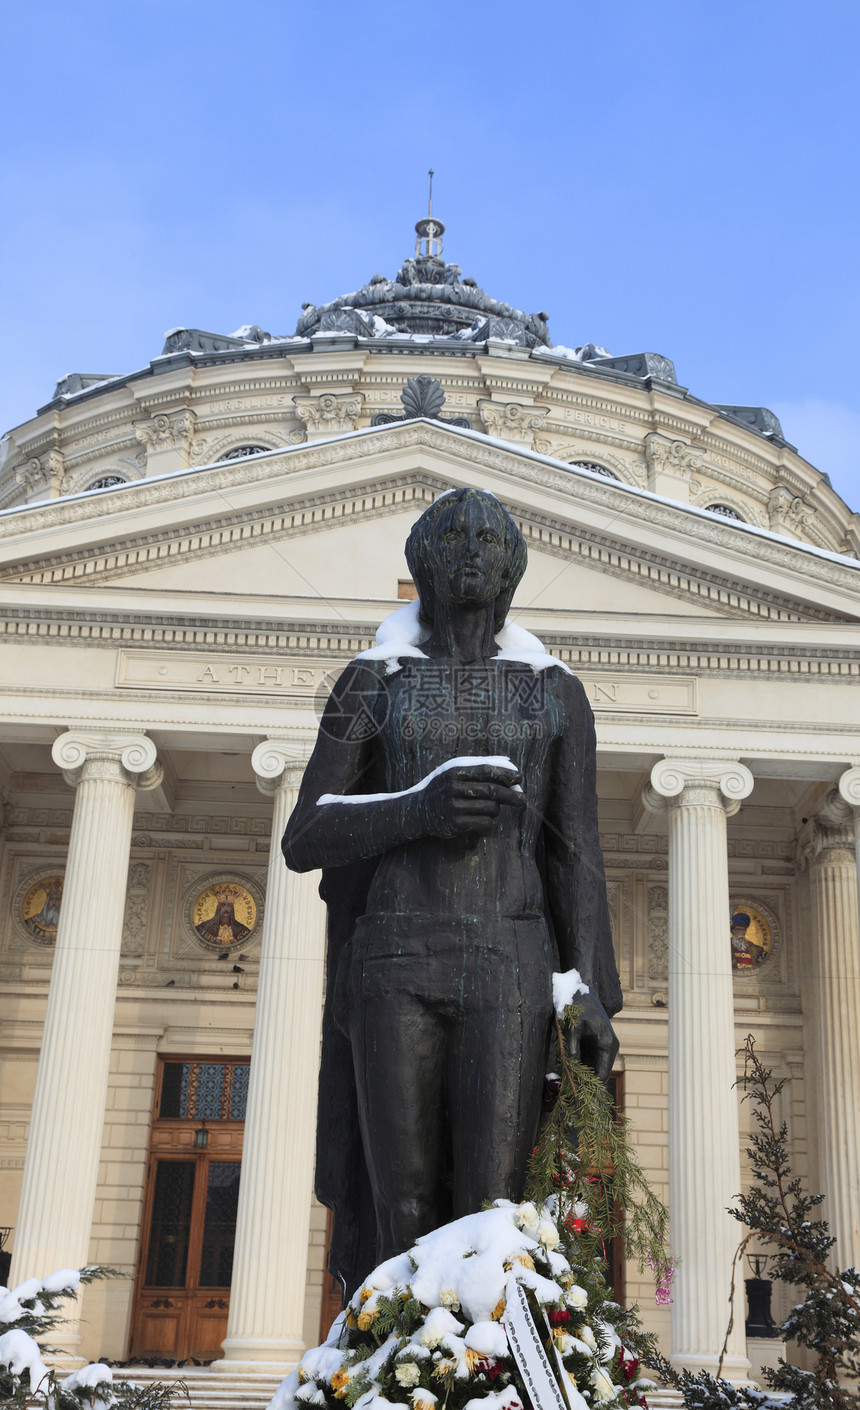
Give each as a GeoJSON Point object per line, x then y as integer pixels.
{"type": "Point", "coordinates": [239, 452]}
{"type": "Point", "coordinates": [596, 469]}
{"type": "Point", "coordinates": [726, 511]}
{"type": "Point", "coordinates": [107, 482]}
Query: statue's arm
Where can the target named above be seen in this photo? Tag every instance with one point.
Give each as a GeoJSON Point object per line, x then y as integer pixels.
{"type": "Point", "coordinates": [341, 816]}
{"type": "Point", "coordinates": [576, 882]}
{"type": "Point", "coordinates": [344, 763]}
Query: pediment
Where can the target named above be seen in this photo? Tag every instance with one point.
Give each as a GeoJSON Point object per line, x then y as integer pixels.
{"type": "Point", "coordinates": [330, 519]}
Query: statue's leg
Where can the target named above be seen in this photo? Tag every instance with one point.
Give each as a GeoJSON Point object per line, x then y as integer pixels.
{"type": "Point", "coordinates": [398, 1047]}
{"type": "Point", "coordinates": [495, 1069]}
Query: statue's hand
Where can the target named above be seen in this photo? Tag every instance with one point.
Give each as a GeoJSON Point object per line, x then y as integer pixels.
{"type": "Point", "coordinates": [593, 1040]}
{"type": "Point", "coordinates": [466, 801]}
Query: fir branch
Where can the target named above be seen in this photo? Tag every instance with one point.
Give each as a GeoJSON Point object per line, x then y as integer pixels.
{"type": "Point", "coordinates": [585, 1159]}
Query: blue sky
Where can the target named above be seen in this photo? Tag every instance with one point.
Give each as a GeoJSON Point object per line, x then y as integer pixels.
{"type": "Point", "coordinates": [679, 176]}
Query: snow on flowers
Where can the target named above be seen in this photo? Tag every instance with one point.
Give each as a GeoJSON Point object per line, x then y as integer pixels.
{"type": "Point", "coordinates": [427, 1329]}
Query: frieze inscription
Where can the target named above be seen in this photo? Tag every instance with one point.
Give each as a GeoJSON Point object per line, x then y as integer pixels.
{"type": "Point", "coordinates": [279, 675]}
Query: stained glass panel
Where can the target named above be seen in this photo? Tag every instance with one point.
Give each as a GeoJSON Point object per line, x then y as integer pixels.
{"type": "Point", "coordinates": [219, 1228]}
{"type": "Point", "coordinates": [204, 1091]}
{"type": "Point", "coordinates": [239, 1095]}
{"type": "Point", "coordinates": [210, 1088]}
{"type": "Point", "coordinates": [171, 1223]}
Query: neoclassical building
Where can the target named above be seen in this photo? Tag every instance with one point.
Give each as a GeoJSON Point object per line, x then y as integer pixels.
{"type": "Point", "coordinates": [189, 554]}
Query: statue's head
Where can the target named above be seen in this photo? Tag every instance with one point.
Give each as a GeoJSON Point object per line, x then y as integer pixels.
{"type": "Point", "coordinates": [439, 544]}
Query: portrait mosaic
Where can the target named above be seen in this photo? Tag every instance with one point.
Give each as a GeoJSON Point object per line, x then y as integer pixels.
{"type": "Point", "coordinates": [751, 937]}
{"type": "Point", "coordinates": [223, 914]}
{"type": "Point", "coordinates": [39, 909]}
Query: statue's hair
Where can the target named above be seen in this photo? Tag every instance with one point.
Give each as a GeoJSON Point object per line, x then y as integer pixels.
{"type": "Point", "coordinates": [421, 546]}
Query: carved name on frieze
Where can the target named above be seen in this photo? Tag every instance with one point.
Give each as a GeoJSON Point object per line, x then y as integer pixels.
{"type": "Point", "coordinates": [391, 395]}
{"type": "Point", "coordinates": [291, 676]}
{"type": "Point", "coordinates": [250, 403]}
{"type": "Point", "coordinates": [243, 674]}
{"type": "Point", "coordinates": [589, 418]}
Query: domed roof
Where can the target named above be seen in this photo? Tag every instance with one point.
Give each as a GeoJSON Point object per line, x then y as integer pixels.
{"type": "Point", "coordinates": [427, 296]}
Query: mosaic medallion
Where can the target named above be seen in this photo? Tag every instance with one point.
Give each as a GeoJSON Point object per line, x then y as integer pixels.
{"type": "Point", "coordinates": [40, 909]}
{"type": "Point", "coordinates": [223, 914]}
{"type": "Point", "coordinates": [750, 937]}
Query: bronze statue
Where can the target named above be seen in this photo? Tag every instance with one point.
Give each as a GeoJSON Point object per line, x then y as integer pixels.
{"type": "Point", "coordinates": [454, 891]}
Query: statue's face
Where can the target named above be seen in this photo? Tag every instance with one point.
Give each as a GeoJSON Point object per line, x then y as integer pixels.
{"type": "Point", "coordinates": [470, 555]}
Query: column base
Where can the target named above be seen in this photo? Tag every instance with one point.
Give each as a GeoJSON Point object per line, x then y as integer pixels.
{"type": "Point", "coordinates": [259, 1354]}
{"type": "Point", "coordinates": [735, 1368]}
{"type": "Point", "coordinates": [764, 1353]}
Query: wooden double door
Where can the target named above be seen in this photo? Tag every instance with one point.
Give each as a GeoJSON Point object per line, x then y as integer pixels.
{"type": "Point", "coordinates": [182, 1293]}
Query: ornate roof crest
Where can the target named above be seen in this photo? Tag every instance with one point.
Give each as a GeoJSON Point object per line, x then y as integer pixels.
{"type": "Point", "coordinates": [422, 396]}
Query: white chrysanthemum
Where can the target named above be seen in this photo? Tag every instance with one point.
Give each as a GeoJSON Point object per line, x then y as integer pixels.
{"type": "Point", "coordinates": [603, 1387]}
{"type": "Point", "coordinates": [527, 1216]}
{"type": "Point", "coordinates": [576, 1296]}
{"type": "Point", "coordinates": [548, 1234]}
{"type": "Point", "coordinates": [407, 1374]}
{"type": "Point", "coordinates": [448, 1298]}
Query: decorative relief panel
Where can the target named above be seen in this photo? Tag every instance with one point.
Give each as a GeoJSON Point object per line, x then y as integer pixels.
{"type": "Point", "coordinates": [511, 421]}
{"type": "Point", "coordinates": [136, 909]}
{"type": "Point", "coordinates": [789, 514]}
{"type": "Point", "coordinates": [167, 431]}
{"type": "Point", "coordinates": [47, 473]}
{"type": "Point", "coordinates": [658, 932]}
{"type": "Point", "coordinates": [664, 453]}
{"type": "Point", "coordinates": [330, 414]}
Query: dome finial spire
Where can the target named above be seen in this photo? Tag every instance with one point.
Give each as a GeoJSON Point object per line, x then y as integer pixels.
{"type": "Point", "coordinates": [429, 231]}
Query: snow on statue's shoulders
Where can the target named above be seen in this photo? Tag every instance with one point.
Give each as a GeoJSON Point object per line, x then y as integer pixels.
{"type": "Point", "coordinates": [517, 644]}
{"type": "Point", "coordinates": [402, 633]}
{"type": "Point", "coordinates": [398, 635]}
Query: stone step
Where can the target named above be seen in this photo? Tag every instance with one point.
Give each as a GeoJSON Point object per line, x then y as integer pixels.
{"type": "Point", "coordinates": [216, 1390]}
{"type": "Point", "coordinates": [208, 1390]}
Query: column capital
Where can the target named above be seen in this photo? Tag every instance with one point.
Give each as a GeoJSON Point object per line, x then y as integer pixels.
{"type": "Point", "coordinates": [849, 786]}
{"type": "Point", "coordinates": [675, 782]}
{"type": "Point", "coordinates": [130, 758]}
{"type": "Point", "coordinates": [278, 764]}
{"type": "Point", "coordinates": [828, 839]}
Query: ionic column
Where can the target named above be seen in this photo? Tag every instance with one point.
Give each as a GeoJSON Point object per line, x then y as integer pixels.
{"type": "Point", "coordinates": [849, 790]}
{"type": "Point", "coordinates": [832, 1003]}
{"type": "Point", "coordinates": [704, 1138]}
{"type": "Point", "coordinates": [267, 1294]}
{"type": "Point", "coordinates": [61, 1166]}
